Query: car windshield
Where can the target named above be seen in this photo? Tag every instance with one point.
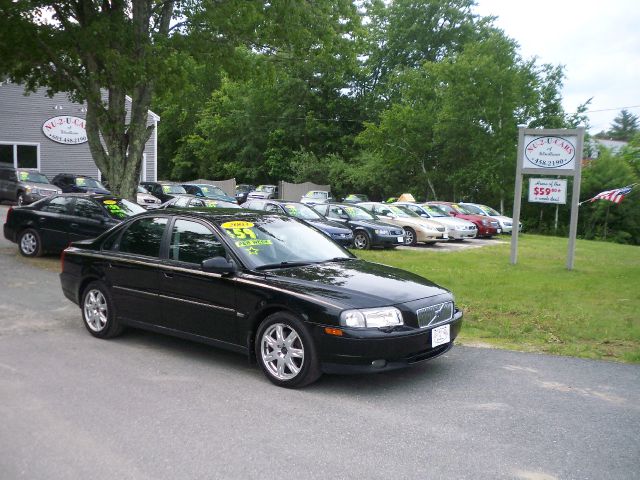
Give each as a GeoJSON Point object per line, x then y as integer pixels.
{"type": "Point", "coordinates": [120, 208]}
{"type": "Point", "coordinates": [300, 210]}
{"type": "Point", "coordinates": [471, 209]}
{"type": "Point", "coordinates": [89, 183]}
{"type": "Point", "coordinates": [400, 212]}
{"type": "Point", "coordinates": [141, 189]}
{"type": "Point", "coordinates": [405, 211]}
{"type": "Point", "coordinates": [265, 188]}
{"type": "Point", "coordinates": [34, 177]}
{"type": "Point", "coordinates": [212, 191]}
{"type": "Point", "coordinates": [357, 198]}
{"type": "Point", "coordinates": [465, 211]}
{"type": "Point", "coordinates": [244, 188]}
{"type": "Point", "coordinates": [316, 195]}
{"type": "Point", "coordinates": [208, 203]}
{"type": "Point", "coordinates": [357, 213]}
{"type": "Point", "coordinates": [434, 211]}
{"type": "Point", "coordinates": [490, 211]}
{"type": "Point", "coordinates": [173, 189]}
{"type": "Point", "coordinates": [445, 208]}
{"type": "Point", "coordinates": [278, 242]}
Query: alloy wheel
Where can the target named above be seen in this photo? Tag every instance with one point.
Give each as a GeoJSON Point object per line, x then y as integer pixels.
{"type": "Point", "coordinates": [360, 241]}
{"type": "Point", "coordinates": [95, 310]}
{"type": "Point", "coordinates": [282, 351]}
{"type": "Point", "coordinates": [28, 243]}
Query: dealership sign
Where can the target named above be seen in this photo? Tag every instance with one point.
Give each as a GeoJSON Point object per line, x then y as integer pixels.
{"type": "Point", "coordinates": [549, 152]}
{"type": "Point", "coordinates": [547, 190]}
{"type": "Point", "coordinates": [65, 129]}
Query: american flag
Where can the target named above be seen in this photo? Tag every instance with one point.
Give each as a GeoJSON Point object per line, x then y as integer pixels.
{"type": "Point", "coordinates": [615, 196]}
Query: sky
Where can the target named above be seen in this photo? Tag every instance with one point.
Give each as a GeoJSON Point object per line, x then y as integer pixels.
{"type": "Point", "coordinates": [597, 41]}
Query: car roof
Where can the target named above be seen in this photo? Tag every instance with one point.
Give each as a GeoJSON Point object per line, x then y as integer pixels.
{"type": "Point", "coordinates": [97, 196]}
{"type": "Point", "coordinates": [211, 214]}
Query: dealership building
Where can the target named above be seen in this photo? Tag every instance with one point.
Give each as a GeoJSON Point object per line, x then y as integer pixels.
{"type": "Point", "coordinates": [48, 134]}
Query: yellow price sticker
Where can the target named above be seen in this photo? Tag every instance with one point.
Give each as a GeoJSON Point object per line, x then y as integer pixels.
{"type": "Point", "coordinates": [237, 224]}
{"type": "Point", "coordinates": [109, 202]}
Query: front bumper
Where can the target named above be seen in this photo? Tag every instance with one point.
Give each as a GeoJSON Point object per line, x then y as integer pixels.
{"type": "Point", "coordinates": [462, 234]}
{"type": "Point", "coordinates": [424, 236]}
{"type": "Point", "coordinates": [377, 351]}
{"type": "Point", "coordinates": [378, 240]}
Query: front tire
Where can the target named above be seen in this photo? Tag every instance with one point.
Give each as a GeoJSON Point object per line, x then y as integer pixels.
{"type": "Point", "coordinates": [285, 351]}
{"type": "Point", "coordinates": [98, 312]}
{"type": "Point", "coordinates": [30, 243]}
{"type": "Point", "coordinates": [361, 240]}
{"type": "Point", "coordinates": [411, 237]}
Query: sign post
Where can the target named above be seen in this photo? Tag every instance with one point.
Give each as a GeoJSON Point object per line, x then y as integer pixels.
{"type": "Point", "coordinates": [552, 152]}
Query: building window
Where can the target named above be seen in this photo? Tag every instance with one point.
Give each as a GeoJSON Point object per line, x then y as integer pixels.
{"type": "Point", "coordinates": [19, 155]}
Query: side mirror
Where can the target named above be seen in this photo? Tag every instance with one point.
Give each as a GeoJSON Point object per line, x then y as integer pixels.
{"type": "Point", "coordinates": [344, 217]}
{"type": "Point", "coordinates": [218, 265]}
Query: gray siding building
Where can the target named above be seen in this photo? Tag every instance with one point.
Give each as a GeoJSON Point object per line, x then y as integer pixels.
{"type": "Point", "coordinates": [47, 133]}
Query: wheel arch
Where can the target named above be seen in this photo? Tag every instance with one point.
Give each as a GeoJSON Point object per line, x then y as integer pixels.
{"type": "Point", "coordinates": [258, 318]}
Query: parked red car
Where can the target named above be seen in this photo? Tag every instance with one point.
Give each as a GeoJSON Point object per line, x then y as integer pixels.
{"type": "Point", "coordinates": [487, 226]}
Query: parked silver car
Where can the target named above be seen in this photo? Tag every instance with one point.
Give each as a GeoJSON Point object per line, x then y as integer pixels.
{"type": "Point", "coordinates": [24, 186]}
{"type": "Point", "coordinates": [506, 223]}
{"type": "Point", "coordinates": [314, 197]}
{"type": "Point", "coordinates": [458, 228]}
{"type": "Point", "coordinates": [145, 199]}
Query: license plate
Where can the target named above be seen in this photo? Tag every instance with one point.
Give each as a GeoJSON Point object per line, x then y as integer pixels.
{"type": "Point", "coordinates": [440, 335]}
{"type": "Point", "coordinates": [401, 239]}
{"type": "Point", "coordinates": [499, 231]}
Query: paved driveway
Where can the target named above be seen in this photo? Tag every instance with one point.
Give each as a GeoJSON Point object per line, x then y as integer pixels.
{"type": "Point", "coordinates": [148, 406]}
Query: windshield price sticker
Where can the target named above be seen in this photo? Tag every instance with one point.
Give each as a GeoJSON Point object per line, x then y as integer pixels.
{"type": "Point", "coordinates": [109, 202]}
{"type": "Point", "coordinates": [114, 209]}
{"type": "Point", "coordinates": [211, 203]}
{"type": "Point", "coordinates": [253, 243]}
{"type": "Point", "coordinates": [81, 182]}
{"type": "Point", "coordinates": [24, 176]}
{"type": "Point", "coordinates": [291, 209]}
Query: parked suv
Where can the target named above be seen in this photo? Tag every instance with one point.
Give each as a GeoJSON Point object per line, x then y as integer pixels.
{"type": "Point", "coordinates": [165, 191]}
{"type": "Point", "coordinates": [24, 186]}
{"type": "Point", "coordinates": [71, 183]}
{"type": "Point", "coordinates": [264, 191]}
{"type": "Point", "coordinates": [314, 197]}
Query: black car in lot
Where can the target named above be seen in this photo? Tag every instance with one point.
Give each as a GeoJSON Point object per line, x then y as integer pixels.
{"type": "Point", "coordinates": [368, 231]}
{"type": "Point", "coordinates": [49, 225]}
{"type": "Point", "coordinates": [338, 232]}
{"type": "Point", "coordinates": [165, 191]}
{"type": "Point", "coordinates": [267, 286]}
{"type": "Point", "coordinates": [72, 183]}
{"type": "Point", "coordinates": [242, 191]}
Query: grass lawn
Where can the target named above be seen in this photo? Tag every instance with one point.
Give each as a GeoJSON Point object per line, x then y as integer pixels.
{"type": "Point", "coordinates": [538, 305]}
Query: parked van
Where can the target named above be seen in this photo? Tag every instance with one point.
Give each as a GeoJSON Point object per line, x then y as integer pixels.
{"type": "Point", "coordinates": [23, 185]}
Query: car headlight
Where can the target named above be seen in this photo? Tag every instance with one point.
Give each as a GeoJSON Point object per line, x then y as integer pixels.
{"type": "Point", "coordinates": [371, 317]}
{"type": "Point", "coordinates": [485, 222]}
{"type": "Point", "coordinates": [382, 232]}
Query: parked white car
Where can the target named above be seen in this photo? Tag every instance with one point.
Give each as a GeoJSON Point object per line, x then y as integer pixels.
{"type": "Point", "coordinates": [458, 228]}
{"type": "Point", "coordinates": [315, 197]}
{"type": "Point", "coordinates": [145, 199]}
{"type": "Point", "coordinates": [506, 223]}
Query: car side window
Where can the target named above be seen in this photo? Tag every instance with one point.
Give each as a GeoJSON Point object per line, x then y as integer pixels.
{"type": "Point", "coordinates": [192, 242]}
{"type": "Point", "coordinates": [336, 212]}
{"type": "Point", "coordinates": [88, 209]}
{"type": "Point", "coordinates": [60, 205]}
{"type": "Point", "coordinates": [143, 237]}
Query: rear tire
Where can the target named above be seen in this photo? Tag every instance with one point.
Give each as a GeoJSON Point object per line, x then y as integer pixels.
{"type": "Point", "coordinates": [30, 243]}
{"type": "Point", "coordinates": [286, 352]}
{"type": "Point", "coordinates": [98, 312]}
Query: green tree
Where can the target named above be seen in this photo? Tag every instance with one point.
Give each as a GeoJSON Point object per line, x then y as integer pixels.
{"type": "Point", "coordinates": [624, 126]}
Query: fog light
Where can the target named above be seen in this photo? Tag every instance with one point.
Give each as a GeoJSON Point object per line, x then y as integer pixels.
{"type": "Point", "coordinates": [379, 363]}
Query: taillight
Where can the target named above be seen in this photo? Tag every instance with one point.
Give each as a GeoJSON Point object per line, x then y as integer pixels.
{"type": "Point", "coordinates": [8, 214]}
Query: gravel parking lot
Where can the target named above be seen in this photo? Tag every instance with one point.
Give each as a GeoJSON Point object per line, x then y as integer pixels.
{"type": "Point", "coordinates": [148, 406]}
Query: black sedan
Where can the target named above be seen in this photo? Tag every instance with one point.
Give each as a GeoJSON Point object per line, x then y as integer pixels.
{"type": "Point", "coordinates": [196, 201]}
{"type": "Point", "coordinates": [49, 225]}
{"type": "Point", "coordinates": [368, 230]}
{"type": "Point", "coordinates": [338, 232]}
{"type": "Point", "coordinates": [267, 286]}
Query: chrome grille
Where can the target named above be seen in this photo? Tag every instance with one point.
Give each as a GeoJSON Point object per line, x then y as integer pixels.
{"type": "Point", "coordinates": [495, 224]}
{"type": "Point", "coordinates": [435, 314]}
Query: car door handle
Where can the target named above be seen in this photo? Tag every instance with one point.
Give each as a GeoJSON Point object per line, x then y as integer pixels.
{"type": "Point", "coordinates": [168, 275]}
{"type": "Point", "coordinates": [74, 225]}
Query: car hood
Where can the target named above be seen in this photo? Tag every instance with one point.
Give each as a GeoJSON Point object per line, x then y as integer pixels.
{"type": "Point", "coordinates": [329, 226]}
{"type": "Point", "coordinates": [374, 224]}
{"type": "Point", "coordinates": [453, 221]}
{"type": "Point", "coordinates": [356, 283]}
{"type": "Point", "coordinates": [419, 222]}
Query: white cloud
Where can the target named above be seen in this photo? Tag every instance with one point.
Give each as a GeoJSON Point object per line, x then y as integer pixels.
{"type": "Point", "coordinates": [598, 42]}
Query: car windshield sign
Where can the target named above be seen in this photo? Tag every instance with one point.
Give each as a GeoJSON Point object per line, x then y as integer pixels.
{"type": "Point", "coordinates": [434, 211]}
{"type": "Point", "coordinates": [356, 213]}
{"type": "Point", "coordinates": [470, 209]}
{"type": "Point", "coordinates": [88, 183]}
{"type": "Point", "coordinates": [400, 212]}
{"type": "Point", "coordinates": [280, 242]}
{"type": "Point", "coordinates": [300, 210]}
{"type": "Point", "coordinates": [34, 177]}
{"type": "Point", "coordinates": [121, 208]}
{"type": "Point", "coordinates": [463, 210]}
{"type": "Point", "coordinates": [173, 189]}
{"type": "Point", "coordinates": [489, 210]}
